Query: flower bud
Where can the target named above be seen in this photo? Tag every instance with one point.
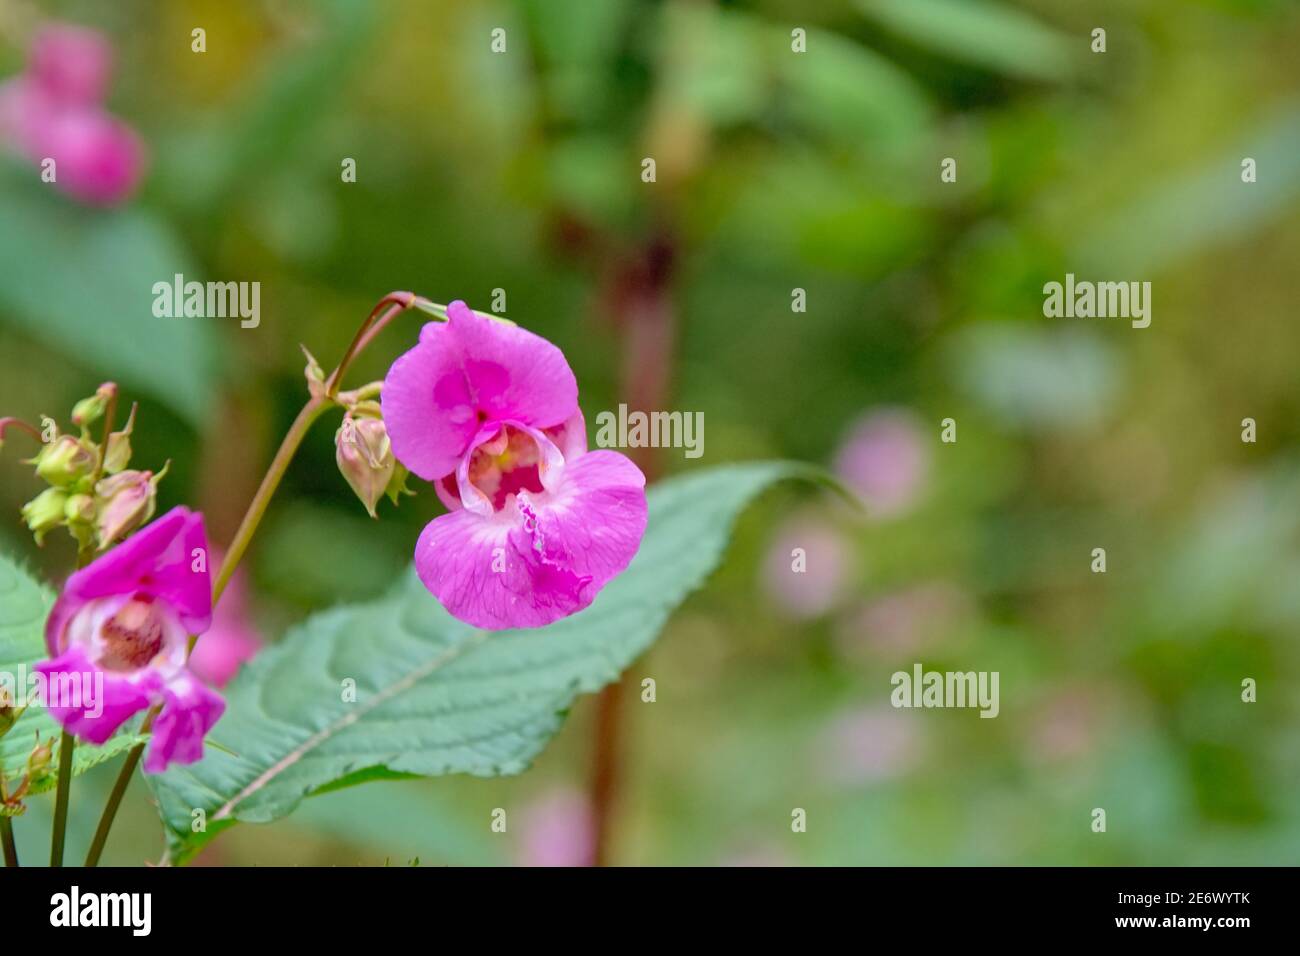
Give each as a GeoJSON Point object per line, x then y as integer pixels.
{"type": "Point", "coordinates": [123, 502]}
{"type": "Point", "coordinates": [117, 455]}
{"type": "Point", "coordinates": [45, 512]}
{"type": "Point", "coordinates": [66, 460]}
{"type": "Point", "coordinates": [90, 410]}
{"type": "Point", "coordinates": [39, 760]}
{"type": "Point", "coordinates": [8, 712]}
{"type": "Point", "coordinates": [365, 457]}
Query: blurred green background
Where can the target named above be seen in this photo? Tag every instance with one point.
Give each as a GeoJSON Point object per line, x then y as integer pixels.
{"type": "Point", "coordinates": [776, 171]}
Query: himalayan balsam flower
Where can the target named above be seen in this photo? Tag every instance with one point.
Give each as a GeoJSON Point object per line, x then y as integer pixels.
{"type": "Point", "coordinates": [54, 111]}
{"type": "Point", "coordinates": [126, 619]}
{"type": "Point", "coordinates": [232, 639]}
{"type": "Point", "coordinates": [537, 524]}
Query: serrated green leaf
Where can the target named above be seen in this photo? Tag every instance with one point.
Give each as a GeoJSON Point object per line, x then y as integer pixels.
{"type": "Point", "coordinates": [24, 605]}
{"type": "Point", "coordinates": [433, 695]}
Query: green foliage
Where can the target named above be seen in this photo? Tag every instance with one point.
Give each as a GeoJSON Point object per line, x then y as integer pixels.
{"type": "Point", "coordinates": [24, 605]}
{"type": "Point", "coordinates": [81, 281]}
{"type": "Point", "coordinates": [435, 696]}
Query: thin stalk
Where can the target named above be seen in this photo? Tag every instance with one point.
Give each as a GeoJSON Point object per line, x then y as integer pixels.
{"type": "Point", "coordinates": [7, 838]}
{"type": "Point", "coordinates": [67, 743]}
{"type": "Point", "coordinates": [110, 808]}
{"type": "Point", "coordinates": [317, 405]}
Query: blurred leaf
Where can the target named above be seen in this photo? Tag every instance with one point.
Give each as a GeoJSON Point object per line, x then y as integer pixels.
{"type": "Point", "coordinates": [81, 280]}
{"type": "Point", "coordinates": [848, 92]}
{"type": "Point", "coordinates": [24, 605]}
{"type": "Point", "coordinates": [434, 695]}
{"type": "Point", "coordinates": [403, 819]}
{"type": "Point", "coordinates": [236, 146]}
{"type": "Point", "coordinates": [1207, 206]}
{"type": "Point", "coordinates": [990, 35]}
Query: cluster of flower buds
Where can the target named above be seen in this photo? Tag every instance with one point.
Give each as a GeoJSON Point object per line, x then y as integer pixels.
{"type": "Point", "coordinates": [361, 446]}
{"type": "Point", "coordinates": [91, 491]}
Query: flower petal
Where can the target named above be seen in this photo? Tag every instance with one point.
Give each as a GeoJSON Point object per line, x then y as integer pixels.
{"type": "Point", "coordinates": [189, 711]}
{"type": "Point", "coordinates": [545, 556]}
{"type": "Point", "coordinates": [158, 560]}
{"type": "Point", "coordinates": [466, 372]}
{"type": "Point", "coordinates": [91, 703]}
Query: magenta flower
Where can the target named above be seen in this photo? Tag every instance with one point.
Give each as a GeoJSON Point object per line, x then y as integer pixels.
{"type": "Point", "coordinates": [54, 111]}
{"type": "Point", "coordinates": [537, 524]}
{"type": "Point", "coordinates": [119, 634]}
{"type": "Point", "coordinates": [558, 831]}
{"type": "Point", "coordinates": [885, 459]}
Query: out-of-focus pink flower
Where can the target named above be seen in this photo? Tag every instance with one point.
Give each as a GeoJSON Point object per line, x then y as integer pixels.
{"type": "Point", "coordinates": [903, 623]}
{"type": "Point", "coordinates": [758, 857]}
{"type": "Point", "coordinates": [558, 831]}
{"type": "Point", "coordinates": [885, 459]}
{"type": "Point", "coordinates": [71, 63]}
{"type": "Point", "coordinates": [808, 565]}
{"type": "Point", "coordinates": [53, 111]}
{"type": "Point", "coordinates": [231, 639]}
{"type": "Point", "coordinates": [118, 636]}
{"type": "Point", "coordinates": [867, 745]}
{"type": "Point", "coordinates": [538, 525]}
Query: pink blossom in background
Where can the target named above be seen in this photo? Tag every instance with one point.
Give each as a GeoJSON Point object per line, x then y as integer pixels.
{"type": "Point", "coordinates": [71, 63]}
{"type": "Point", "coordinates": [54, 111]}
{"type": "Point", "coordinates": [231, 639]}
{"type": "Point", "coordinates": [867, 745]}
{"type": "Point", "coordinates": [537, 524]}
{"type": "Point", "coordinates": [557, 830]}
{"type": "Point", "coordinates": [828, 562]}
{"type": "Point", "coordinates": [904, 622]}
{"type": "Point", "coordinates": [886, 459]}
{"type": "Point", "coordinates": [122, 624]}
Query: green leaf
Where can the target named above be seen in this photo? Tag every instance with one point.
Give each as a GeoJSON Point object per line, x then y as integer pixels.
{"type": "Point", "coordinates": [433, 695]}
{"type": "Point", "coordinates": [24, 605]}
{"type": "Point", "coordinates": [985, 34]}
{"type": "Point", "coordinates": [81, 280]}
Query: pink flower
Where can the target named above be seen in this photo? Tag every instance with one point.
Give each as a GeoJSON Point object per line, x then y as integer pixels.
{"type": "Point", "coordinates": [53, 112]}
{"type": "Point", "coordinates": [886, 460]}
{"type": "Point", "coordinates": [71, 63]}
{"type": "Point", "coordinates": [867, 745]}
{"type": "Point", "coordinates": [558, 831]}
{"type": "Point", "coordinates": [537, 524]}
{"type": "Point", "coordinates": [120, 633]}
{"type": "Point", "coordinates": [808, 566]}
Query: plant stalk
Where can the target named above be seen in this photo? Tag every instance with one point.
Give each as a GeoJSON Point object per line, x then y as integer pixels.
{"type": "Point", "coordinates": [317, 405]}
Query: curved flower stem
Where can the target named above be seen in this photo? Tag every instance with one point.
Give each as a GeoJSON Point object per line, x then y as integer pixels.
{"type": "Point", "coordinates": [67, 743]}
{"type": "Point", "coordinates": [7, 838]}
{"type": "Point", "coordinates": [110, 808]}
{"type": "Point", "coordinates": [317, 405]}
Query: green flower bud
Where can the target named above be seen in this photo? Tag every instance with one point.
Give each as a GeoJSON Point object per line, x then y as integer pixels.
{"type": "Point", "coordinates": [90, 410]}
{"type": "Point", "coordinates": [123, 502]}
{"type": "Point", "coordinates": [365, 457]}
{"type": "Point", "coordinates": [66, 460]}
{"type": "Point", "coordinates": [118, 454]}
{"type": "Point", "coordinates": [45, 512]}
